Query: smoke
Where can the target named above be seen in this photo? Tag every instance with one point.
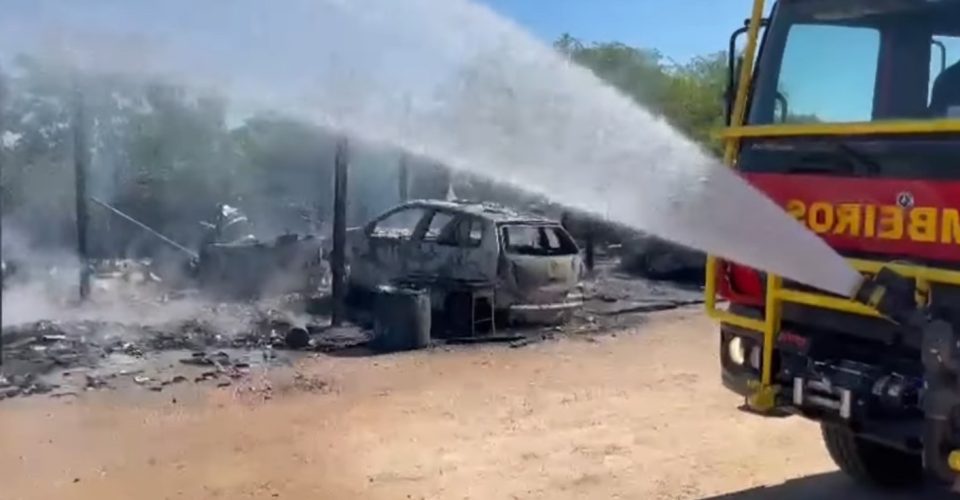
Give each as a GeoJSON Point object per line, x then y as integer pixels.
{"type": "Point", "coordinates": [45, 287]}
{"type": "Point", "coordinates": [37, 283]}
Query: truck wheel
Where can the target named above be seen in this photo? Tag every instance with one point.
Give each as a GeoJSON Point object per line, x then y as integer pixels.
{"type": "Point", "coordinates": [871, 463]}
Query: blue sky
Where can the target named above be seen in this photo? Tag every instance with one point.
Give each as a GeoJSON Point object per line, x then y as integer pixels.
{"type": "Point", "coordinates": [818, 74]}
{"type": "Point", "coordinates": [680, 29]}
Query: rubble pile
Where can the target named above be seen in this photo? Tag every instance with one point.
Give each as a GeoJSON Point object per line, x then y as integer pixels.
{"type": "Point", "coordinates": [217, 345]}
{"type": "Point", "coordinates": [23, 385]}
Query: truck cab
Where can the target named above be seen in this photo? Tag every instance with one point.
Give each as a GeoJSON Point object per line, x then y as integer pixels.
{"type": "Point", "coordinates": [847, 114]}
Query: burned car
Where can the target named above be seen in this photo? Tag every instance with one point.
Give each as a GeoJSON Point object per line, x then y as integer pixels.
{"type": "Point", "coordinates": [659, 259]}
{"type": "Point", "coordinates": [530, 263]}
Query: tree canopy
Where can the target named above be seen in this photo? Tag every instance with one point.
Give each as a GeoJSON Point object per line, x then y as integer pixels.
{"type": "Point", "coordinates": [689, 95]}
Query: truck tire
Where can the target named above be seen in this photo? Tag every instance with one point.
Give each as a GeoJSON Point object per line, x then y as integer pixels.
{"type": "Point", "coordinates": [872, 463]}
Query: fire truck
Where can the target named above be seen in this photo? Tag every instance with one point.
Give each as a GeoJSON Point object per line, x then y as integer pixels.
{"type": "Point", "coordinates": [847, 114]}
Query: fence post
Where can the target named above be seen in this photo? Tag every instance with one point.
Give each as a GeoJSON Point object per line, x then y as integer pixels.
{"type": "Point", "coordinates": [338, 257]}
{"type": "Point", "coordinates": [80, 164]}
{"type": "Point", "coordinates": [404, 178]}
{"type": "Point", "coordinates": [3, 195]}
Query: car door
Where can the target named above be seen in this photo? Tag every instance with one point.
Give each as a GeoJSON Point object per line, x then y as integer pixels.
{"type": "Point", "coordinates": [426, 254]}
{"type": "Point", "coordinates": [388, 245]}
{"type": "Point", "coordinates": [462, 252]}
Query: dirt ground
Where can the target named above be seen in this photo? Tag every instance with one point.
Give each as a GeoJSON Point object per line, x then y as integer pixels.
{"type": "Point", "coordinates": [639, 414]}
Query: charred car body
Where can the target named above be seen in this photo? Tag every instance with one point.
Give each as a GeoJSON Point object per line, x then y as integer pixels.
{"type": "Point", "coordinates": [233, 262]}
{"type": "Point", "coordinates": [531, 263]}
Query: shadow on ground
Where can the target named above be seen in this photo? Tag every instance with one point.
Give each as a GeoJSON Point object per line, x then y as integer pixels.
{"type": "Point", "coordinates": [825, 486]}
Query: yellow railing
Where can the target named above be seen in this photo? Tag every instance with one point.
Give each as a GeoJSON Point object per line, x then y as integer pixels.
{"type": "Point", "coordinates": [776, 295]}
{"type": "Point", "coordinates": [890, 127]}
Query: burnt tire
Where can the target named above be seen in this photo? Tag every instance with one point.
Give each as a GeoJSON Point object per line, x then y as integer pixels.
{"type": "Point", "coordinates": [871, 463]}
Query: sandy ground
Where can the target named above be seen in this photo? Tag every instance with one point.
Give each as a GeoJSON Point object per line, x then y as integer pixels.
{"type": "Point", "coordinates": [640, 414]}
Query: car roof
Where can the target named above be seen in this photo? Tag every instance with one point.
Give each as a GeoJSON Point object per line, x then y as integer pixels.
{"type": "Point", "coordinates": [485, 210]}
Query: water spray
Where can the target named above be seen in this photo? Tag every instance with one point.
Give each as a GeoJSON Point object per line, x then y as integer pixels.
{"type": "Point", "coordinates": [451, 80]}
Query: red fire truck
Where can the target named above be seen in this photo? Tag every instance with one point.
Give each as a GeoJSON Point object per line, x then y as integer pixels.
{"type": "Point", "coordinates": [847, 114]}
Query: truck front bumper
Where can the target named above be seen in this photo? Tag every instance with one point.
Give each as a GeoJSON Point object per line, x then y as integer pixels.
{"type": "Point", "coordinates": [880, 404]}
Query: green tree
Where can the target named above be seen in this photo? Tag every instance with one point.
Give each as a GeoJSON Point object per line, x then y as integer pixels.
{"type": "Point", "coordinates": [285, 171]}
{"type": "Point", "coordinates": [156, 151]}
{"type": "Point", "coordinates": [639, 73]}
{"type": "Point", "coordinates": [690, 95]}
{"type": "Point", "coordinates": [693, 101]}
{"type": "Point", "coordinates": [37, 143]}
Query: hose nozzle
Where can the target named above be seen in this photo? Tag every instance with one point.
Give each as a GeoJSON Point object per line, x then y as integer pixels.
{"type": "Point", "coordinates": [892, 294]}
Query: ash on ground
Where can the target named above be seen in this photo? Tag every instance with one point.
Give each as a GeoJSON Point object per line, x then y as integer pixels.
{"type": "Point", "coordinates": [134, 335]}
{"type": "Point", "coordinates": [172, 340]}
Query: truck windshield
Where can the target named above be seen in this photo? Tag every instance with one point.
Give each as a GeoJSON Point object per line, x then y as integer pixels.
{"type": "Point", "coordinates": [830, 61]}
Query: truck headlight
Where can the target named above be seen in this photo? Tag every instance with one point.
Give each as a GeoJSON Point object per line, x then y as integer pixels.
{"type": "Point", "coordinates": [737, 351]}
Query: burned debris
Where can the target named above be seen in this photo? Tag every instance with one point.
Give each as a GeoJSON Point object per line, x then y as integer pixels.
{"type": "Point", "coordinates": [40, 357]}
{"type": "Point", "coordinates": [421, 273]}
{"type": "Point", "coordinates": [232, 263]}
{"type": "Point", "coordinates": [639, 254]}
{"type": "Point", "coordinates": [456, 272]}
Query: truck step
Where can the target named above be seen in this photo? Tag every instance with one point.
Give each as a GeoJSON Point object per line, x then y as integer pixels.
{"type": "Point", "coordinates": [774, 413]}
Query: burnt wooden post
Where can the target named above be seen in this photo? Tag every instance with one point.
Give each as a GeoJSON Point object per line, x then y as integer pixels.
{"type": "Point", "coordinates": [404, 178]}
{"type": "Point", "coordinates": [589, 257]}
{"type": "Point", "coordinates": [81, 163]}
{"type": "Point", "coordinates": [3, 195]}
{"type": "Point", "coordinates": [338, 256]}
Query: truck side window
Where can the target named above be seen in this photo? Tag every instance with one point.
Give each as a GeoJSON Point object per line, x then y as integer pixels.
{"type": "Point", "coordinates": [829, 73]}
{"type": "Point", "coordinates": [945, 53]}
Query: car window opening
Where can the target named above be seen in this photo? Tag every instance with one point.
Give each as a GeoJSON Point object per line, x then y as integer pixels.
{"type": "Point", "coordinates": [529, 239]}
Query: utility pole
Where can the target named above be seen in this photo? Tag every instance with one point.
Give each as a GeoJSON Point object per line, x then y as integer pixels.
{"type": "Point", "coordinates": [404, 180]}
{"type": "Point", "coordinates": [404, 174]}
{"type": "Point", "coordinates": [81, 162]}
{"type": "Point", "coordinates": [338, 258]}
